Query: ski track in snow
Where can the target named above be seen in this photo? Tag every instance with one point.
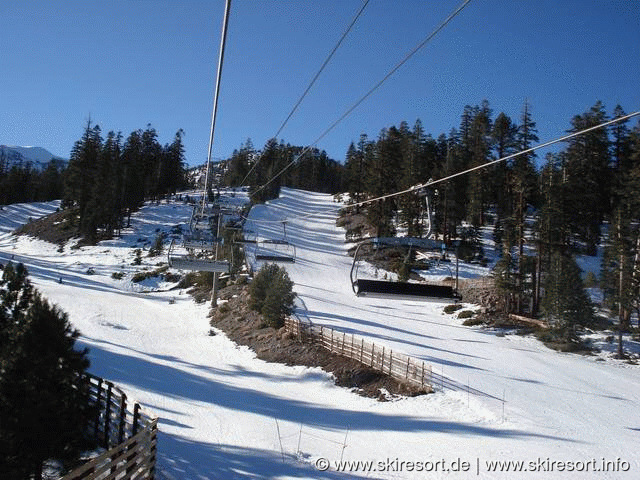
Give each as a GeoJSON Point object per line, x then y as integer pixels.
{"type": "Point", "coordinates": [221, 408]}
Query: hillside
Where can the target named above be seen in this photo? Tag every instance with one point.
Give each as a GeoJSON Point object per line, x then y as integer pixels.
{"type": "Point", "coordinates": [37, 157]}
{"type": "Point", "coordinates": [225, 414]}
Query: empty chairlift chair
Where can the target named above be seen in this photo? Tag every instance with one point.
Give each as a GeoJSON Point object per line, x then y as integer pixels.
{"type": "Point", "coordinates": [201, 240]}
{"type": "Point", "coordinates": [196, 260]}
{"type": "Point", "coordinates": [402, 290]}
{"type": "Point", "coordinates": [278, 251]}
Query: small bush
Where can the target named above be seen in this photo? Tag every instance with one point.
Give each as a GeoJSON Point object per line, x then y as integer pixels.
{"type": "Point", "coordinates": [117, 275]}
{"type": "Point", "coordinates": [196, 279]}
{"type": "Point", "coordinates": [271, 293]}
{"type": "Point", "coordinates": [404, 271]}
{"type": "Point", "coordinates": [466, 314]}
{"type": "Point", "coordinates": [142, 276]}
{"type": "Point", "coordinates": [560, 340]}
{"type": "Point", "coordinates": [138, 259]}
{"type": "Point", "coordinates": [472, 322]}
{"type": "Point", "coordinates": [452, 308]}
{"type": "Point", "coordinates": [158, 245]}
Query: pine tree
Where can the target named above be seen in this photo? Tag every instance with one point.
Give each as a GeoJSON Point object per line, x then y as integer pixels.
{"type": "Point", "coordinates": [620, 273]}
{"type": "Point", "coordinates": [151, 162]}
{"type": "Point", "coordinates": [504, 143]}
{"type": "Point", "coordinates": [44, 407]}
{"type": "Point", "coordinates": [172, 175]}
{"type": "Point", "coordinates": [478, 144]}
{"type": "Point", "coordinates": [240, 165]}
{"type": "Point", "coordinates": [449, 203]}
{"type": "Point", "coordinates": [271, 293]}
{"type": "Point", "coordinates": [381, 180]}
{"type": "Point", "coordinates": [132, 193]}
{"type": "Point", "coordinates": [522, 181]}
{"type": "Point", "coordinates": [81, 176]}
{"type": "Point", "coordinates": [566, 304]}
{"type": "Point", "coordinates": [357, 163]}
{"type": "Point", "coordinates": [589, 177]}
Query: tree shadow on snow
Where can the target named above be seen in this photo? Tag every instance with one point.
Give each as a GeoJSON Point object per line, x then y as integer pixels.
{"type": "Point", "coordinates": [172, 382]}
{"type": "Point", "coordinates": [184, 459]}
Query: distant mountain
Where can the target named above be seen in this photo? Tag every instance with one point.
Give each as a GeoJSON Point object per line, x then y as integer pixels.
{"type": "Point", "coordinates": [37, 157]}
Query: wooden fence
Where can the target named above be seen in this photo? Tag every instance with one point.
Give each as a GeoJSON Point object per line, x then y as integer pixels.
{"type": "Point", "coordinates": [127, 433]}
{"type": "Point", "coordinates": [378, 357]}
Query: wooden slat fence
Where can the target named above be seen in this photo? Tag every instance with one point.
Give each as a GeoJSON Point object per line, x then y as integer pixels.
{"type": "Point", "coordinates": [378, 357]}
{"type": "Point", "coordinates": [126, 432]}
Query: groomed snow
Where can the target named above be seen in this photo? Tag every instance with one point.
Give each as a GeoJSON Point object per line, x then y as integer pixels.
{"type": "Point", "coordinates": [225, 414]}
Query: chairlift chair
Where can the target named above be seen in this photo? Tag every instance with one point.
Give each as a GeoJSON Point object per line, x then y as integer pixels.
{"type": "Point", "coordinates": [190, 260]}
{"type": "Point", "coordinates": [199, 241]}
{"type": "Point", "coordinates": [275, 250]}
{"type": "Point", "coordinates": [402, 290]}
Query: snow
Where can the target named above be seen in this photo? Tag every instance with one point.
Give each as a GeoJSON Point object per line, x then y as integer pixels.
{"type": "Point", "coordinates": [37, 156]}
{"type": "Point", "coordinates": [226, 414]}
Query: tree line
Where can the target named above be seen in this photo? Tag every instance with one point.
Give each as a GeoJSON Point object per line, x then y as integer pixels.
{"type": "Point", "coordinates": [584, 196]}
{"type": "Point", "coordinates": [542, 212]}
{"type": "Point", "coordinates": [22, 183]}
{"type": "Point", "coordinates": [312, 169]}
{"type": "Point", "coordinates": [108, 179]}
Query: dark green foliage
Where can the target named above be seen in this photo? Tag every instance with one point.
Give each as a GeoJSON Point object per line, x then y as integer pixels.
{"type": "Point", "coordinates": [44, 407]}
{"type": "Point", "coordinates": [404, 271]}
{"type": "Point", "coordinates": [589, 177]}
{"type": "Point", "coordinates": [22, 183]}
{"type": "Point", "coordinates": [271, 293]}
{"type": "Point", "coordinates": [240, 164]}
{"type": "Point", "coordinates": [158, 245]}
{"type": "Point", "coordinates": [454, 307]}
{"type": "Point", "coordinates": [565, 305]}
{"type": "Point", "coordinates": [470, 248]}
{"type": "Point", "coordinates": [280, 164]}
{"type": "Point", "coordinates": [107, 180]}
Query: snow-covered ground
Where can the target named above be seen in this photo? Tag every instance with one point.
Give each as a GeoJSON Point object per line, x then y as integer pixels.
{"type": "Point", "coordinates": [225, 414]}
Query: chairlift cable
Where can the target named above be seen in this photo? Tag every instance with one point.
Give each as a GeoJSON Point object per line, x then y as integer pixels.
{"type": "Point", "coordinates": [418, 187]}
{"type": "Point", "coordinates": [313, 81]}
{"type": "Point", "coordinates": [373, 89]}
{"type": "Point", "coordinates": [223, 39]}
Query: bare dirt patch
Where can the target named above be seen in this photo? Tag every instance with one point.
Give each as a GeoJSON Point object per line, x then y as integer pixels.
{"type": "Point", "coordinates": [246, 327]}
{"type": "Point", "coordinates": [58, 227]}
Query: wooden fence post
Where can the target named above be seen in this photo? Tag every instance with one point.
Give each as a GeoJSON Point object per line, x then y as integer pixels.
{"type": "Point", "coordinates": [382, 362]}
{"type": "Point", "coordinates": [343, 337]}
{"type": "Point", "coordinates": [422, 376]}
{"type": "Point", "coordinates": [107, 414]}
{"type": "Point", "coordinates": [407, 374]}
{"type": "Point", "coordinates": [361, 348]}
{"type": "Point", "coordinates": [153, 438]}
{"type": "Point", "coordinates": [331, 344]}
{"type": "Point", "coordinates": [390, 363]}
{"type": "Point", "coordinates": [123, 417]}
{"type": "Point", "coordinates": [98, 407]}
{"type": "Point", "coordinates": [136, 419]}
{"type": "Point", "coordinates": [373, 351]}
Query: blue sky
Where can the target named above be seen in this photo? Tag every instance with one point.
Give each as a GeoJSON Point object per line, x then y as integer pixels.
{"type": "Point", "coordinates": [126, 64]}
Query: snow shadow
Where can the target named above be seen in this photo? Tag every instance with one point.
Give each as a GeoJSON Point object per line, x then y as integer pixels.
{"type": "Point", "coordinates": [180, 458]}
{"type": "Point", "coordinates": [172, 382]}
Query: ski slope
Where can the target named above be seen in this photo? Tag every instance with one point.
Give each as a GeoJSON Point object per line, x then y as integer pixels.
{"type": "Point", "coordinates": [225, 414]}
